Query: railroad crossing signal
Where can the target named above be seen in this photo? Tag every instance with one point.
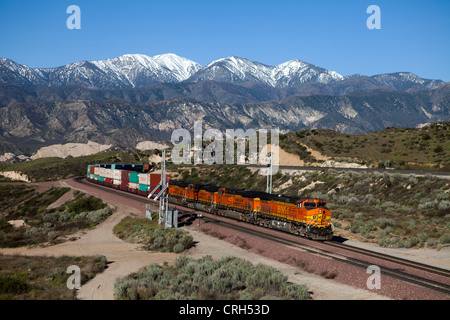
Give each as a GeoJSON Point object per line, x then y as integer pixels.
{"type": "Point", "coordinates": [269, 172]}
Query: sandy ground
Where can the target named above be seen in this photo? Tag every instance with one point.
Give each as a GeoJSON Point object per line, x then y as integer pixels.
{"type": "Point", "coordinates": [435, 257]}
{"type": "Point", "coordinates": [125, 258]}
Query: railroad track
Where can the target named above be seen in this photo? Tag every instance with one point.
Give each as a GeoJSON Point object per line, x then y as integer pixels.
{"type": "Point", "coordinates": [343, 258]}
{"type": "Point", "coordinates": [340, 257]}
{"type": "Point", "coordinates": [390, 258]}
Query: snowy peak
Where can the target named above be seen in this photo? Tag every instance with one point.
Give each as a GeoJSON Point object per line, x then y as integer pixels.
{"type": "Point", "coordinates": [296, 72]}
{"type": "Point", "coordinates": [126, 71]}
{"type": "Point", "coordinates": [139, 70]}
{"type": "Point", "coordinates": [236, 70]}
{"type": "Point", "coordinates": [184, 68]}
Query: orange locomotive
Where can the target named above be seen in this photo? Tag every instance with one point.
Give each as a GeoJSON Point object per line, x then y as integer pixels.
{"type": "Point", "coordinates": [301, 216]}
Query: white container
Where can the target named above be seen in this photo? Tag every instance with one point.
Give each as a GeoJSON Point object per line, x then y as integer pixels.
{"type": "Point", "coordinates": [117, 174]}
{"type": "Point", "coordinates": [109, 173]}
{"type": "Point", "coordinates": [133, 185]}
{"type": "Point", "coordinates": [144, 178]}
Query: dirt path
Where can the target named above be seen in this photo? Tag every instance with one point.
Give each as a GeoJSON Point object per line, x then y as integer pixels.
{"type": "Point", "coordinates": [124, 258]}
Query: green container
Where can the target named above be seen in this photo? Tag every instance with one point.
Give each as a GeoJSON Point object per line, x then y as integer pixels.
{"type": "Point", "coordinates": [101, 179]}
{"type": "Point", "coordinates": [144, 187]}
{"type": "Point", "coordinates": [134, 177]}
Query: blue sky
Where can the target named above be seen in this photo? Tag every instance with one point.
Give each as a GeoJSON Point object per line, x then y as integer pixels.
{"type": "Point", "coordinates": [414, 35]}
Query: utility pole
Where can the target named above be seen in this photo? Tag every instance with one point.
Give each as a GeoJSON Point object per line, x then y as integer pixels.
{"type": "Point", "coordinates": [269, 172]}
{"type": "Point", "coordinates": [163, 196]}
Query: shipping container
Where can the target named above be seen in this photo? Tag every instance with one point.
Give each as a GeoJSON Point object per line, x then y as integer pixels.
{"type": "Point", "coordinates": [134, 177]}
{"type": "Point", "coordinates": [133, 185]}
{"type": "Point", "coordinates": [101, 179]}
{"type": "Point", "coordinates": [124, 185]}
{"type": "Point", "coordinates": [116, 182]}
{"type": "Point", "coordinates": [117, 174]}
{"type": "Point", "coordinates": [144, 187]}
{"type": "Point", "coordinates": [125, 175]}
{"type": "Point", "coordinates": [144, 178]}
{"type": "Point", "coordinates": [109, 173]}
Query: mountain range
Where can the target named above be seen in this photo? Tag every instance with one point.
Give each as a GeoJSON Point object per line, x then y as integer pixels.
{"type": "Point", "coordinates": [134, 98]}
{"type": "Point", "coordinates": [138, 71]}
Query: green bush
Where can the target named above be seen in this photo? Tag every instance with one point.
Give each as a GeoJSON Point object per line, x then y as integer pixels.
{"type": "Point", "coordinates": [13, 285]}
{"type": "Point", "coordinates": [153, 236]}
{"type": "Point", "coordinates": [205, 278]}
{"type": "Point", "coordinates": [85, 204]}
{"type": "Point", "coordinates": [445, 239]}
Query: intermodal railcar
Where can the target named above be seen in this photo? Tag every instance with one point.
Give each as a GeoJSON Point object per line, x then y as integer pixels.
{"type": "Point", "coordinates": [307, 217]}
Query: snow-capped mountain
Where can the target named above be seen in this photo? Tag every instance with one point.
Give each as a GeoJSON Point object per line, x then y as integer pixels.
{"type": "Point", "coordinates": [237, 70]}
{"type": "Point", "coordinates": [404, 80]}
{"type": "Point", "coordinates": [138, 70]}
{"type": "Point", "coordinates": [127, 71]}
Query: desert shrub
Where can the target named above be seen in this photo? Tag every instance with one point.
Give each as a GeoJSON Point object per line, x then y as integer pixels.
{"type": "Point", "coordinates": [422, 236]}
{"type": "Point", "coordinates": [85, 204]}
{"type": "Point", "coordinates": [384, 223]}
{"type": "Point", "coordinates": [178, 248]}
{"type": "Point", "coordinates": [206, 278]}
{"type": "Point", "coordinates": [428, 205]}
{"type": "Point", "coordinates": [12, 284]}
{"type": "Point", "coordinates": [153, 236]}
{"type": "Point", "coordinates": [445, 239]}
{"type": "Point", "coordinates": [99, 215]}
{"type": "Point", "coordinates": [443, 205]}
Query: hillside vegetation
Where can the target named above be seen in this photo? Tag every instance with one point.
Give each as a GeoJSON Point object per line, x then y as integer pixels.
{"type": "Point", "coordinates": [401, 148]}
{"type": "Point", "coordinates": [44, 278]}
{"type": "Point", "coordinates": [20, 202]}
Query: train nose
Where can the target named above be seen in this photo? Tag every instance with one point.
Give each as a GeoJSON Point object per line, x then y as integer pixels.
{"type": "Point", "coordinates": [321, 217]}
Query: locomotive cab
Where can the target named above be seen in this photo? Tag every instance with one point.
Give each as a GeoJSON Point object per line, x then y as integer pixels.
{"type": "Point", "coordinates": [317, 212]}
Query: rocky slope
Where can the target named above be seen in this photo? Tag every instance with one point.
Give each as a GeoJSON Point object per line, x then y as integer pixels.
{"type": "Point", "coordinates": [30, 126]}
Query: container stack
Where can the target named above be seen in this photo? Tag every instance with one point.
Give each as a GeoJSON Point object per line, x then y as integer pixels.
{"type": "Point", "coordinates": [127, 177]}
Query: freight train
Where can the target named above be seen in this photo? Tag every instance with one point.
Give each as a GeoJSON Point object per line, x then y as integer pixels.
{"type": "Point", "coordinates": [307, 217]}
